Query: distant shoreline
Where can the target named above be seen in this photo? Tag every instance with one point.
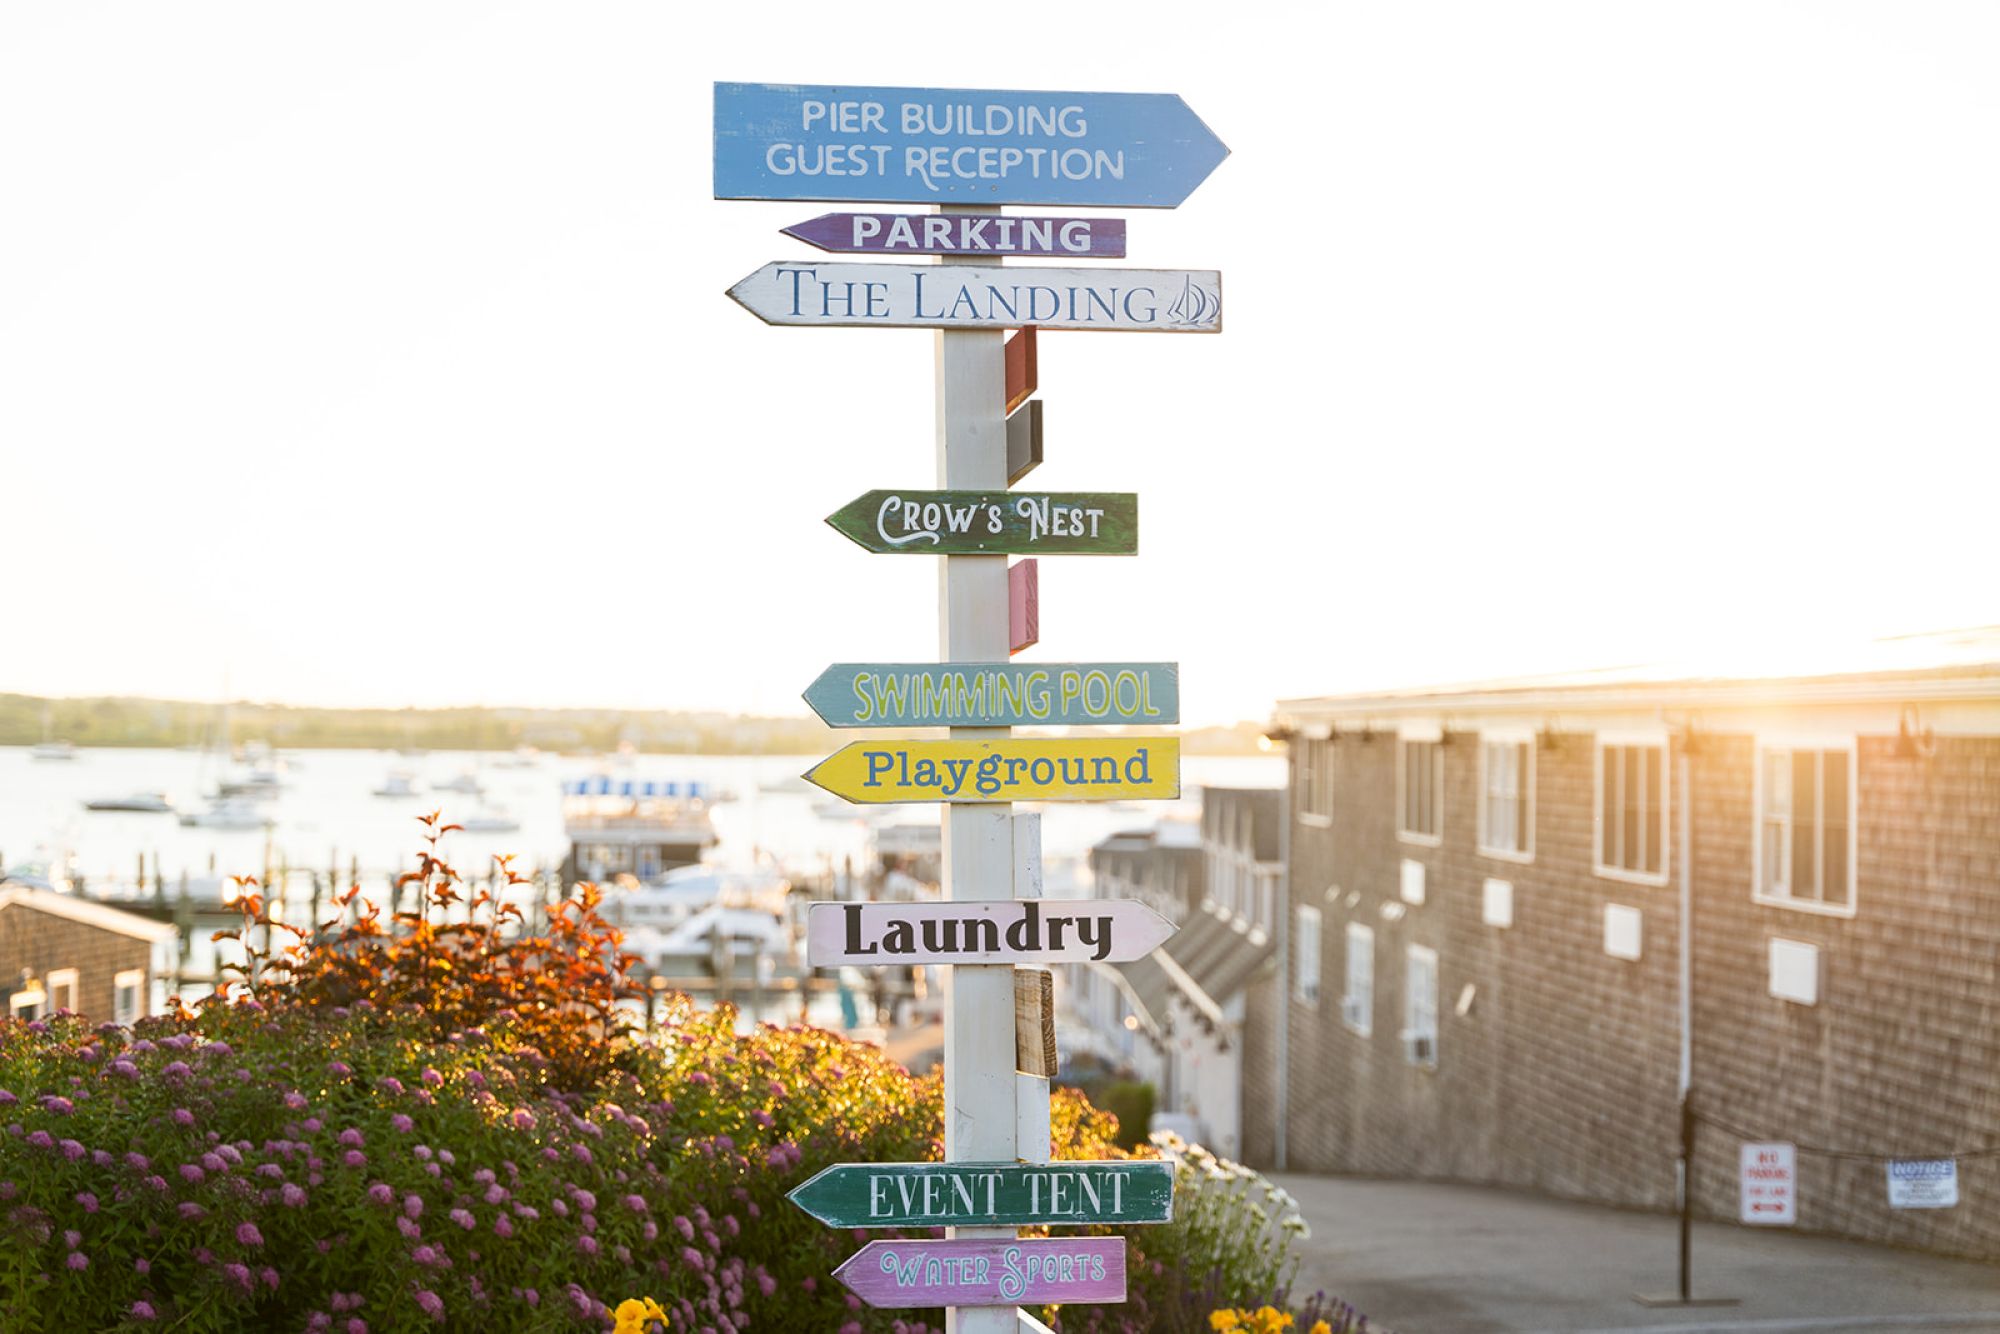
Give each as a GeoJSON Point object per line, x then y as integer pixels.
{"type": "Point", "coordinates": [155, 724]}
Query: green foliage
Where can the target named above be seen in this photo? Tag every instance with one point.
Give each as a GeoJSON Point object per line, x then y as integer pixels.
{"type": "Point", "coordinates": [414, 1122]}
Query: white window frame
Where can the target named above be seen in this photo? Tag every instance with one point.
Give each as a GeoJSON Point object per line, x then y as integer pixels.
{"type": "Point", "coordinates": [1357, 994]}
{"type": "Point", "coordinates": [1525, 739]}
{"type": "Point", "coordinates": [1421, 734]}
{"type": "Point", "coordinates": [1793, 741]}
{"type": "Point", "coordinates": [64, 979]}
{"type": "Point", "coordinates": [34, 997]}
{"type": "Point", "coordinates": [1646, 737]}
{"type": "Point", "coordinates": [1308, 929]}
{"type": "Point", "coordinates": [1315, 766]}
{"type": "Point", "coordinates": [134, 981]}
{"type": "Point", "coordinates": [1427, 956]}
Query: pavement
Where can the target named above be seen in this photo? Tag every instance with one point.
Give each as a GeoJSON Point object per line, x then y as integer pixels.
{"type": "Point", "coordinates": [1433, 1258]}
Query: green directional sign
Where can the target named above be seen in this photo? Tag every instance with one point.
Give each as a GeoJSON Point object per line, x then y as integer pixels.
{"type": "Point", "coordinates": [992, 523]}
{"type": "Point", "coordinates": [989, 1194]}
{"type": "Point", "coordinates": [996, 694]}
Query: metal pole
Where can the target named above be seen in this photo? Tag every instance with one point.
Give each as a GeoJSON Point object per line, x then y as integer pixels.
{"type": "Point", "coordinates": [1685, 1079]}
{"type": "Point", "coordinates": [979, 1084]}
{"type": "Point", "coordinates": [1281, 935]}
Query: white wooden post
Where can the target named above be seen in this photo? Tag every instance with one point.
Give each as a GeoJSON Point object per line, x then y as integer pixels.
{"type": "Point", "coordinates": [979, 1079]}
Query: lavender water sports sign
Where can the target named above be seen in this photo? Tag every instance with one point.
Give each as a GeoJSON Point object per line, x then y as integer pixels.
{"type": "Point", "coordinates": [980, 1272]}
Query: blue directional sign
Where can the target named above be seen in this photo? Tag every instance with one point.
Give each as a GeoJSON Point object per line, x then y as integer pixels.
{"type": "Point", "coordinates": [958, 146]}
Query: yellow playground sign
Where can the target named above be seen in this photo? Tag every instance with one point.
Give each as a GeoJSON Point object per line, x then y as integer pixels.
{"type": "Point", "coordinates": [1030, 769]}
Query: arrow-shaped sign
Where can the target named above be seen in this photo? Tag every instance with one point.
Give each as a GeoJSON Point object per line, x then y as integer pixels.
{"type": "Point", "coordinates": [1024, 605]}
{"type": "Point", "coordinates": [980, 1272]}
{"type": "Point", "coordinates": [958, 146]}
{"type": "Point", "coordinates": [1032, 931]}
{"type": "Point", "coordinates": [1023, 369]}
{"type": "Point", "coordinates": [1024, 441]}
{"type": "Point", "coordinates": [996, 694]}
{"type": "Point", "coordinates": [989, 1194]}
{"type": "Point", "coordinates": [1119, 768]}
{"type": "Point", "coordinates": [993, 523]}
{"type": "Point", "coordinates": [836, 294]}
{"type": "Point", "coordinates": [962, 234]}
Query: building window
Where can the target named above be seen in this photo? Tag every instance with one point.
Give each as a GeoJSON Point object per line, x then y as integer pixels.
{"type": "Point", "coordinates": [1420, 783]}
{"type": "Point", "coordinates": [1631, 814]}
{"type": "Point", "coordinates": [128, 996]}
{"type": "Point", "coordinates": [1420, 1007]}
{"type": "Point", "coordinates": [1805, 827]}
{"type": "Point", "coordinates": [1507, 797]}
{"type": "Point", "coordinates": [1315, 766]}
{"type": "Point", "coordinates": [1305, 954]}
{"type": "Point", "coordinates": [28, 1003]}
{"type": "Point", "coordinates": [1357, 1002]}
{"type": "Point", "coordinates": [62, 985]}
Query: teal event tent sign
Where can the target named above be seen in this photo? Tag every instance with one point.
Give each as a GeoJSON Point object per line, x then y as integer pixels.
{"type": "Point", "coordinates": [989, 1194]}
{"type": "Point", "coordinates": [992, 523]}
{"type": "Point", "coordinates": [996, 694]}
{"type": "Point", "coordinates": [850, 143]}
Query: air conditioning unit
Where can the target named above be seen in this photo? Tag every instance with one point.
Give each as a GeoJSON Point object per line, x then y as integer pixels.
{"type": "Point", "coordinates": [1351, 1013]}
{"type": "Point", "coordinates": [1421, 1048]}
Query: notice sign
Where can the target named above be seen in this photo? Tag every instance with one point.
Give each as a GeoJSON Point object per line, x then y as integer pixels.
{"type": "Point", "coordinates": [1923, 1183]}
{"type": "Point", "coordinates": [1770, 1180]}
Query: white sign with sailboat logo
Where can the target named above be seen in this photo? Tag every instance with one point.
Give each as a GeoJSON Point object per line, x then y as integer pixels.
{"type": "Point", "coordinates": [926, 296]}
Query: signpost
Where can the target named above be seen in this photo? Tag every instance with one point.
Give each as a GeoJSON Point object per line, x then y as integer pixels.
{"type": "Point", "coordinates": [996, 694]}
{"type": "Point", "coordinates": [831, 294]}
{"type": "Point", "coordinates": [958, 146]}
{"type": "Point", "coordinates": [1009, 1194]}
{"type": "Point", "coordinates": [987, 1273]}
{"type": "Point", "coordinates": [1037, 769]}
{"type": "Point", "coordinates": [1032, 931]}
{"type": "Point", "coordinates": [968, 152]}
{"type": "Point", "coordinates": [990, 523]}
{"type": "Point", "coordinates": [1769, 1181]}
{"type": "Point", "coordinates": [962, 234]}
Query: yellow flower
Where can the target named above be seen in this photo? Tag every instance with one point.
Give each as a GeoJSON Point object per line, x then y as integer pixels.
{"type": "Point", "coordinates": [1224, 1321]}
{"type": "Point", "coordinates": [634, 1312]}
{"type": "Point", "coordinates": [1320, 1327]}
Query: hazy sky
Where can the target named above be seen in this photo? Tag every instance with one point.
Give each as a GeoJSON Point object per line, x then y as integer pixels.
{"type": "Point", "coordinates": [378, 352]}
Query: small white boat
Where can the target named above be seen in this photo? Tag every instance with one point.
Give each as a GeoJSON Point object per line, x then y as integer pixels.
{"type": "Point", "coordinates": [467, 782]}
{"type": "Point", "coordinates": [398, 783]}
{"type": "Point", "coordinates": [52, 750]}
{"type": "Point", "coordinates": [490, 820]}
{"type": "Point", "coordinates": [524, 757]}
{"type": "Point", "coordinates": [229, 813]}
{"type": "Point", "coordinates": [258, 785]}
{"type": "Point", "coordinates": [155, 802]}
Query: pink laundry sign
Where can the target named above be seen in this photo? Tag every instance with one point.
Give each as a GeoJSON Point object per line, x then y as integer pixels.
{"type": "Point", "coordinates": [980, 1272]}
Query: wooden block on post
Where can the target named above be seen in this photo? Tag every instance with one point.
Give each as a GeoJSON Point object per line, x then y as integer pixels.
{"type": "Point", "coordinates": [1024, 605]}
{"type": "Point", "coordinates": [1024, 441]}
{"type": "Point", "coordinates": [1022, 379]}
{"type": "Point", "coordinates": [1035, 1022]}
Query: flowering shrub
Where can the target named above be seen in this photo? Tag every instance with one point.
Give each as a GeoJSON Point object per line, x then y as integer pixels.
{"type": "Point", "coordinates": [398, 1126]}
{"type": "Point", "coordinates": [1231, 1239]}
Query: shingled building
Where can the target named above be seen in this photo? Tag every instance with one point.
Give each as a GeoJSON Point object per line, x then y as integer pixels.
{"type": "Point", "coordinates": [1486, 888]}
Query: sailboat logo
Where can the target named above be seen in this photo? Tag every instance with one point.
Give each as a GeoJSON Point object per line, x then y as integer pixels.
{"type": "Point", "coordinates": [1195, 305]}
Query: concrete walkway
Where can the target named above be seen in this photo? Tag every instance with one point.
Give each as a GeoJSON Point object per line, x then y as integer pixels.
{"type": "Point", "coordinates": [1423, 1258]}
